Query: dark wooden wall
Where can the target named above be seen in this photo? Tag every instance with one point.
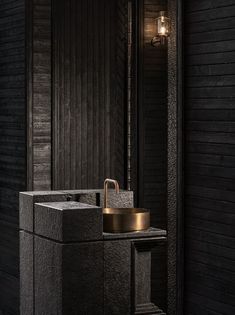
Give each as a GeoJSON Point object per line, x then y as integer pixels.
{"type": "Point", "coordinates": [12, 146]}
{"type": "Point", "coordinates": [152, 134]}
{"type": "Point", "coordinates": [209, 157]}
{"type": "Point", "coordinates": [39, 85]}
{"type": "Point", "coordinates": [76, 74]}
{"type": "Point", "coordinates": [89, 92]}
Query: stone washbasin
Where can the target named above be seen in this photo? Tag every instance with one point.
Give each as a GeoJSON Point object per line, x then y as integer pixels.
{"type": "Point", "coordinates": [122, 220]}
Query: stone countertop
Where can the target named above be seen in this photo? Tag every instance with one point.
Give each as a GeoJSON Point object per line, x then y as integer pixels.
{"type": "Point", "coordinates": [151, 232]}
{"type": "Point", "coordinates": [66, 205]}
{"type": "Point", "coordinates": [64, 191]}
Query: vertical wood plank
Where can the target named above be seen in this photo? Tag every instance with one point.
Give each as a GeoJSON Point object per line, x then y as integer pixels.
{"type": "Point", "coordinates": [88, 94]}
{"type": "Point", "coordinates": [39, 96]}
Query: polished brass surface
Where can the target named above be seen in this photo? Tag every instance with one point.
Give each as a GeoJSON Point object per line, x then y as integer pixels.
{"type": "Point", "coordinates": [120, 220]}
{"type": "Point", "coordinates": [106, 184]}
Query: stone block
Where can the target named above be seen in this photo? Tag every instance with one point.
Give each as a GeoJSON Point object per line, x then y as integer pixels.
{"type": "Point", "coordinates": [117, 277]}
{"type": "Point", "coordinates": [127, 272]}
{"type": "Point", "coordinates": [125, 199]}
{"type": "Point", "coordinates": [26, 273]}
{"type": "Point", "coordinates": [68, 221]}
{"type": "Point", "coordinates": [89, 196]}
{"type": "Point", "coordinates": [48, 277]}
{"type": "Point", "coordinates": [27, 201]}
{"type": "Point", "coordinates": [83, 278]}
{"type": "Point", "coordinates": [68, 278]}
{"type": "Point", "coordinates": [141, 280]}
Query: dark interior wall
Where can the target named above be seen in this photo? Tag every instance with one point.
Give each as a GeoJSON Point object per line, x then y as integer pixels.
{"type": "Point", "coordinates": [12, 146]}
{"type": "Point", "coordinates": [209, 76]}
{"type": "Point", "coordinates": [89, 92]}
{"type": "Point", "coordinates": [151, 149]}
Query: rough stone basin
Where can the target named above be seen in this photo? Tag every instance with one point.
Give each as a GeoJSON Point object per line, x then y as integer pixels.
{"type": "Point", "coordinates": [121, 220]}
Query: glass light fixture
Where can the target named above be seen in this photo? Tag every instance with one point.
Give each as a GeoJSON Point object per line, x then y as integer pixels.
{"type": "Point", "coordinates": [163, 28]}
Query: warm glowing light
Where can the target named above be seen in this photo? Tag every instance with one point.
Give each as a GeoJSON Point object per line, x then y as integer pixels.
{"type": "Point", "coordinates": [163, 25]}
{"type": "Point", "coordinates": [162, 30]}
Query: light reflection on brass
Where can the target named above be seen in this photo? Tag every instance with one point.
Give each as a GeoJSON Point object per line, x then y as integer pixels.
{"type": "Point", "coordinates": [119, 220]}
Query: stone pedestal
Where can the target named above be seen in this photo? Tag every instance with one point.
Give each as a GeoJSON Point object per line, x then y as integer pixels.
{"type": "Point", "coordinates": [127, 272]}
{"type": "Point", "coordinates": [68, 266]}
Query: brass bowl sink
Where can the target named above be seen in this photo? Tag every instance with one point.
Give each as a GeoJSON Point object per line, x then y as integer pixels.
{"type": "Point", "coordinates": [120, 220]}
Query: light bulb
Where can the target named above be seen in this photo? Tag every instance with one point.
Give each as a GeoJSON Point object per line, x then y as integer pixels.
{"type": "Point", "coordinates": [162, 31]}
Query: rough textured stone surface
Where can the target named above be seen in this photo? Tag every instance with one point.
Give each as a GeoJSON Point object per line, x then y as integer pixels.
{"type": "Point", "coordinates": [125, 199]}
{"type": "Point", "coordinates": [89, 197]}
{"type": "Point", "coordinates": [48, 277]}
{"type": "Point", "coordinates": [27, 201]}
{"type": "Point", "coordinates": [127, 273]}
{"type": "Point", "coordinates": [26, 273]}
{"type": "Point", "coordinates": [141, 281]}
{"type": "Point", "coordinates": [142, 267]}
{"type": "Point", "coordinates": [117, 277]}
{"type": "Point", "coordinates": [80, 191]}
{"type": "Point", "coordinates": [173, 162]}
{"type": "Point", "coordinates": [68, 278]}
{"type": "Point", "coordinates": [83, 274]}
{"type": "Point", "coordinates": [68, 221]}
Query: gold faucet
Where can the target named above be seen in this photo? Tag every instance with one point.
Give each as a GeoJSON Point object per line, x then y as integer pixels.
{"type": "Point", "coordinates": [106, 184]}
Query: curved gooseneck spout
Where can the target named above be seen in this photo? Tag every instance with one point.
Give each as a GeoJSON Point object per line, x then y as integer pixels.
{"type": "Point", "coordinates": [106, 184]}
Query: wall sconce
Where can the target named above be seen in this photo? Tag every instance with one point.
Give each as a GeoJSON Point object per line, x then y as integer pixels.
{"type": "Point", "coordinates": [163, 29]}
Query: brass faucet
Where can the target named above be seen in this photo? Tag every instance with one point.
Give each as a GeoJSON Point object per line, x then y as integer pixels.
{"type": "Point", "coordinates": [106, 184]}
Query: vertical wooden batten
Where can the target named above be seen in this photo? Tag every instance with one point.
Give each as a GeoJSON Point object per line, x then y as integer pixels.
{"type": "Point", "coordinates": [29, 87]}
{"type": "Point", "coordinates": [38, 72]}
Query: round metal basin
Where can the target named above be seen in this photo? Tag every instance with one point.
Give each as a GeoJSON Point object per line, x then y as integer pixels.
{"type": "Point", "coordinates": [120, 220]}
